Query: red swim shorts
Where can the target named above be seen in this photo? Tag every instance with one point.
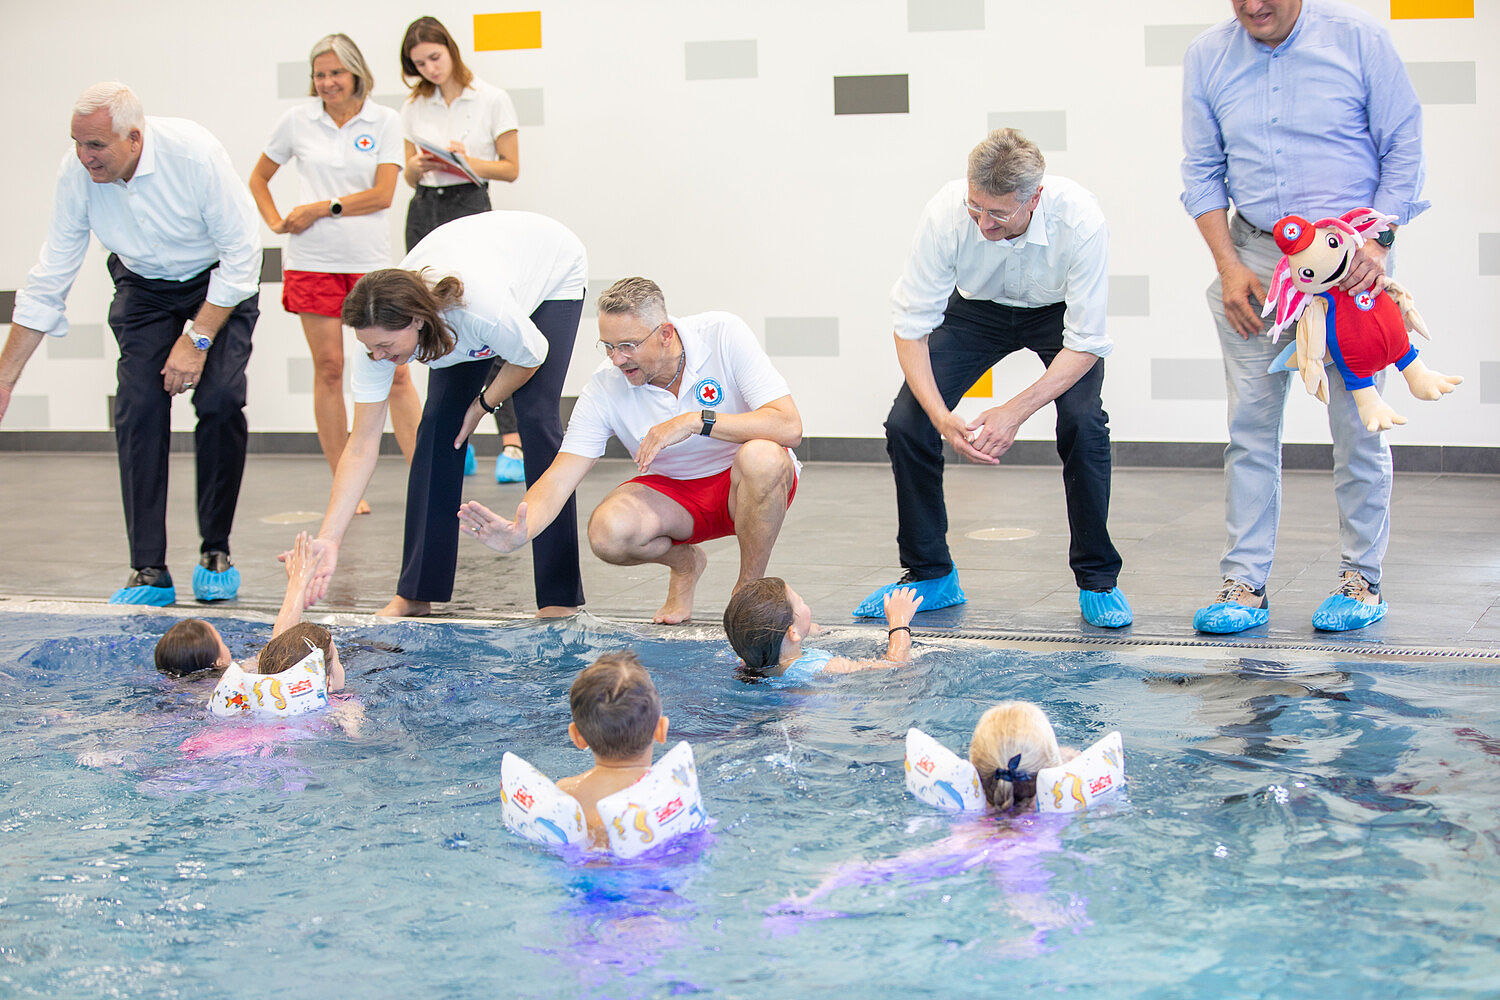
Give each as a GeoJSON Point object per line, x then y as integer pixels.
{"type": "Point", "coordinates": [316, 292]}
{"type": "Point", "coordinates": [706, 499]}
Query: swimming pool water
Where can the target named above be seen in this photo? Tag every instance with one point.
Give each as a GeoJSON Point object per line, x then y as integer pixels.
{"type": "Point", "coordinates": [1301, 829]}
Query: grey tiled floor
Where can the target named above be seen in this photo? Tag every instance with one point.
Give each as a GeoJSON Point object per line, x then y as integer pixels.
{"type": "Point", "coordinates": [62, 536]}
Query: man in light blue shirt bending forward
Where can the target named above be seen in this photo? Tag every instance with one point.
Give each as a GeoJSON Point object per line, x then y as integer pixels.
{"type": "Point", "coordinates": [1294, 107]}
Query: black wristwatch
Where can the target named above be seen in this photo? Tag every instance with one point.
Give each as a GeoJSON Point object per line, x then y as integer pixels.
{"type": "Point", "coordinates": [1387, 238]}
{"type": "Point", "coordinates": [335, 207]}
{"type": "Point", "coordinates": [486, 407]}
{"type": "Point", "coordinates": [708, 417]}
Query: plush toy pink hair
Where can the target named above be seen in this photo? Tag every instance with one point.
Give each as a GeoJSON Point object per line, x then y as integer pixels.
{"type": "Point", "coordinates": [1294, 234]}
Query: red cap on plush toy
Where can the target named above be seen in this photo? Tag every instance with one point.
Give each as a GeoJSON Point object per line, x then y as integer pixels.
{"type": "Point", "coordinates": [1293, 234]}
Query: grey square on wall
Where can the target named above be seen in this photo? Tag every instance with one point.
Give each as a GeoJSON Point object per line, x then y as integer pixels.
{"type": "Point", "coordinates": [1444, 82]}
{"type": "Point", "coordinates": [7, 305]}
{"type": "Point", "coordinates": [392, 101]}
{"type": "Point", "coordinates": [84, 340]}
{"type": "Point", "coordinates": [871, 95]}
{"type": "Point", "coordinates": [292, 79]}
{"type": "Point", "coordinates": [1166, 44]}
{"type": "Point", "coordinates": [28, 413]}
{"type": "Point", "coordinates": [1129, 295]}
{"type": "Point", "coordinates": [1489, 253]}
{"type": "Point", "coordinates": [591, 298]}
{"type": "Point", "coordinates": [944, 15]}
{"type": "Point", "coordinates": [1048, 129]}
{"type": "Point", "coordinates": [299, 376]}
{"type": "Point", "coordinates": [528, 102]}
{"type": "Point", "coordinates": [727, 60]}
{"type": "Point", "coordinates": [270, 266]}
{"type": "Point", "coordinates": [1187, 378]}
{"type": "Point", "coordinates": [802, 336]}
{"type": "Point", "coordinates": [1489, 381]}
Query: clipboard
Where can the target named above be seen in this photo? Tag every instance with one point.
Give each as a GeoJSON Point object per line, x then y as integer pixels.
{"type": "Point", "coordinates": [453, 163]}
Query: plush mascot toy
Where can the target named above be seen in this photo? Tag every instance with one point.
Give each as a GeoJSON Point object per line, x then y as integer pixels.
{"type": "Point", "coordinates": [1362, 333]}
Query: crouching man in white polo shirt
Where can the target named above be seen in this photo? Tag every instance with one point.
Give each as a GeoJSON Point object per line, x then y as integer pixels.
{"type": "Point", "coordinates": [710, 425]}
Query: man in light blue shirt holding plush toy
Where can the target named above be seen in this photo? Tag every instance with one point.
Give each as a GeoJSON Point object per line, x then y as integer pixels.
{"type": "Point", "coordinates": [1294, 107]}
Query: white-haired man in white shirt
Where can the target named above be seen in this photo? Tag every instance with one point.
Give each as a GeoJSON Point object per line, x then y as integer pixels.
{"type": "Point", "coordinates": [163, 197]}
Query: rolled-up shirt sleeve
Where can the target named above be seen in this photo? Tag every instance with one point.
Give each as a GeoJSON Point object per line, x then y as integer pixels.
{"type": "Point", "coordinates": [233, 225]}
{"type": "Point", "coordinates": [42, 304]}
{"type": "Point", "coordinates": [1204, 161]}
{"type": "Point", "coordinates": [920, 296]}
{"type": "Point", "coordinates": [1087, 296]}
{"type": "Point", "coordinates": [1395, 116]}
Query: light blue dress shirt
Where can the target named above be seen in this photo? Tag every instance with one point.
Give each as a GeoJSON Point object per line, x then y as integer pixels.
{"type": "Point", "coordinates": [182, 211]}
{"type": "Point", "coordinates": [1324, 122]}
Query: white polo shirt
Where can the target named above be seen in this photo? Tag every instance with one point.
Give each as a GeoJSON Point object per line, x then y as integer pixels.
{"type": "Point", "coordinates": [334, 162]}
{"type": "Point", "coordinates": [1062, 257]}
{"type": "Point", "coordinates": [510, 263]}
{"type": "Point", "coordinates": [725, 370]}
{"type": "Point", "coordinates": [476, 118]}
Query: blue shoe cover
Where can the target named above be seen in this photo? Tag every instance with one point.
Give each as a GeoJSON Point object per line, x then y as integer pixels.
{"type": "Point", "coordinates": [943, 592]}
{"type": "Point", "coordinates": [509, 469]}
{"type": "Point", "coordinates": [1226, 619]}
{"type": "Point", "coordinates": [1105, 609]}
{"type": "Point", "coordinates": [211, 586]}
{"type": "Point", "coordinates": [471, 466]}
{"type": "Point", "coordinates": [156, 597]}
{"type": "Point", "coordinates": [1339, 613]}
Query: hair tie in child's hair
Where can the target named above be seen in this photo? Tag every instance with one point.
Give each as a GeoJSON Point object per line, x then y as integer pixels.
{"type": "Point", "coordinates": [1012, 772]}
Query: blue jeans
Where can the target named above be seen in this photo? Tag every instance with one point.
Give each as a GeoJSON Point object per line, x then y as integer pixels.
{"type": "Point", "coordinates": [1362, 472]}
{"type": "Point", "coordinates": [972, 338]}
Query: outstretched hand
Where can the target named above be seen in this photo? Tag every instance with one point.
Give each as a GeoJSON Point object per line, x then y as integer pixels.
{"type": "Point", "coordinates": [313, 560]}
{"type": "Point", "coordinates": [900, 605]}
{"type": "Point", "coordinates": [478, 521]}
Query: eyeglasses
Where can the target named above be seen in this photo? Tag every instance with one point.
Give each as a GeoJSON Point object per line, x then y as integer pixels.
{"type": "Point", "coordinates": [994, 216]}
{"type": "Point", "coordinates": [626, 348]}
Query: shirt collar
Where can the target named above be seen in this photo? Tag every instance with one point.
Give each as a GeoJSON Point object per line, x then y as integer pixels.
{"type": "Point", "coordinates": [467, 94]}
{"type": "Point", "coordinates": [318, 113]}
{"type": "Point", "coordinates": [147, 163]}
{"type": "Point", "coordinates": [1036, 229]}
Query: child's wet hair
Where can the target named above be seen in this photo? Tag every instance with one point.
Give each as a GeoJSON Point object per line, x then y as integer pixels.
{"type": "Point", "coordinates": [1011, 729]}
{"type": "Point", "coordinates": [756, 620]}
{"type": "Point", "coordinates": [187, 647]}
{"type": "Point", "coordinates": [615, 706]}
{"type": "Point", "coordinates": [290, 647]}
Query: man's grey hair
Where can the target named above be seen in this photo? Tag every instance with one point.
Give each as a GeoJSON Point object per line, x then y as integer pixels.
{"type": "Point", "coordinates": [343, 49]}
{"type": "Point", "coordinates": [1007, 162]}
{"type": "Point", "coordinates": [639, 297]}
{"type": "Point", "coordinates": [125, 111]}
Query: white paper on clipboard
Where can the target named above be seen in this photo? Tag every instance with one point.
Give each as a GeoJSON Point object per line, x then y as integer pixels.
{"type": "Point", "coordinates": [454, 162]}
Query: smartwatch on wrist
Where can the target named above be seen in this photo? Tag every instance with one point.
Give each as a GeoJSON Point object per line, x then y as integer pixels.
{"type": "Point", "coordinates": [201, 342]}
{"type": "Point", "coordinates": [335, 207]}
{"type": "Point", "coordinates": [1387, 238]}
{"type": "Point", "coordinates": [708, 417]}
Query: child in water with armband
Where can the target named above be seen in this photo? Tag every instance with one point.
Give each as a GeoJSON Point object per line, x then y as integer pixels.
{"type": "Point", "coordinates": [1013, 742]}
{"type": "Point", "coordinates": [616, 716]}
{"type": "Point", "coordinates": [768, 622]}
{"type": "Point", "coordinates": [193, 645]}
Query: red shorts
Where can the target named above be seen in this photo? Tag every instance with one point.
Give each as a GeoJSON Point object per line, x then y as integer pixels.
{"type": "Point", "coordinates": [316, 292]}
{"type": "Point", "coordinates": [706, 499]}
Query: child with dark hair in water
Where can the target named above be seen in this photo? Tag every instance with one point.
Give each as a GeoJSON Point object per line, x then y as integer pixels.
{"type": "Point", "coordinates": [768, 622]}
{"type": "Point", "coordinates": [616, 716]}
{"type": "Point", "coordinates": [194, 645]}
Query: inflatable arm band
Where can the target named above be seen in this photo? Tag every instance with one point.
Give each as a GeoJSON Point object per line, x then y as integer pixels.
{"type": "Point", "coordinates": [663, 804]}
{"type": "Point", "coordinates": [297, 690]}
{"type": "Point", "coordinates": [940, 777]}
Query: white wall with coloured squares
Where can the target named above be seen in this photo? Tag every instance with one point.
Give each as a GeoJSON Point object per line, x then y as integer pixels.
{"type": "Point", "coordinates": [771, 159]}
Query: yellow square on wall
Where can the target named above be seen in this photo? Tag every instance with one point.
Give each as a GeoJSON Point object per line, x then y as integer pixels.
{"type": "Point", "coordinates": [1414, 9]}
{"type": "Point", "coordinates": [984, 388]}
{"type": "Point", "coordinates": [516, 30]}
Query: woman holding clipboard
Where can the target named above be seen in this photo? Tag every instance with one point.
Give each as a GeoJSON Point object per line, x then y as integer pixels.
{"type": "Point", "coordinates": [451, 109]}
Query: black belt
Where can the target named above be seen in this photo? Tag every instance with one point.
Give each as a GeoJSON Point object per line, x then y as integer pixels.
{"type": "Point", "coordinates": [1254, 229]}
{"type": "Point", "coordinates": [438, 190]}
